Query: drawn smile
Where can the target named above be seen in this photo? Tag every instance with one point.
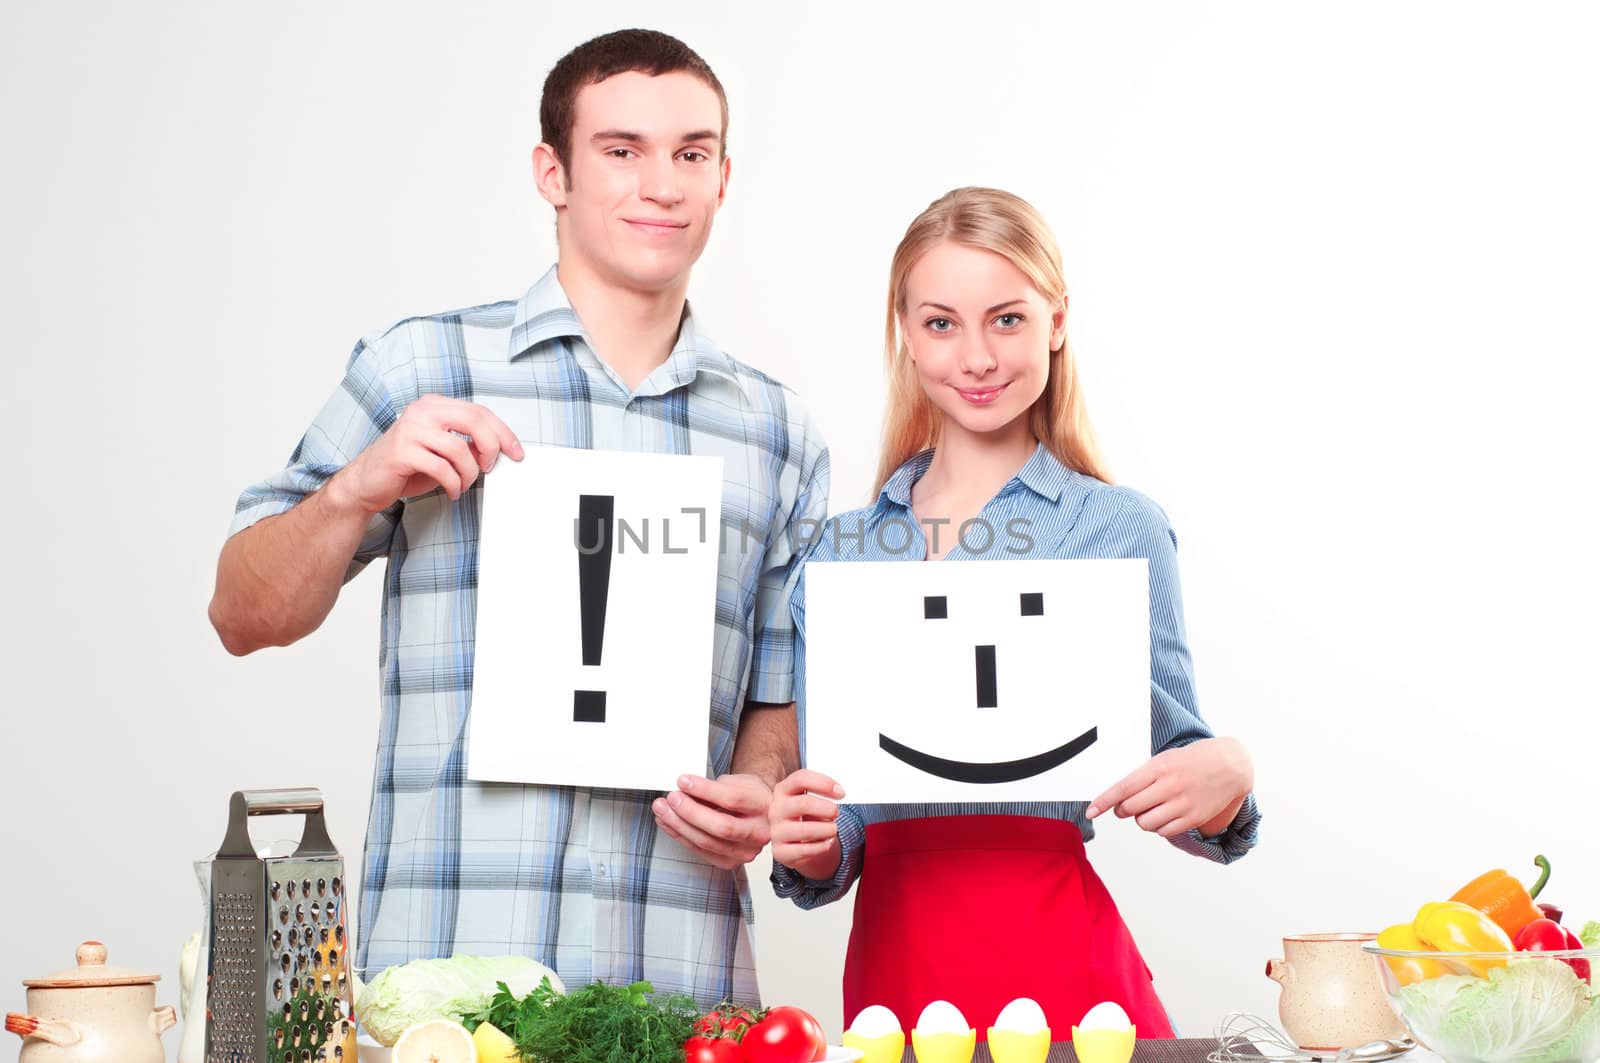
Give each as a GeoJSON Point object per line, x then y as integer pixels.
{"type": "Point", "coordinates": [1002, 771]}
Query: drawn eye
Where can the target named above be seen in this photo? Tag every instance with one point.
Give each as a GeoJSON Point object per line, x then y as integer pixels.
{"type": "Point", "coordinates": [935, 607]}
{"type": "Point", "coordinates": [1032, 604]}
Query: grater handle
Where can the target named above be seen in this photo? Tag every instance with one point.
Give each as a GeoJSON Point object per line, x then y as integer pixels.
{"type": "Point", "coordinates": [299, 800]}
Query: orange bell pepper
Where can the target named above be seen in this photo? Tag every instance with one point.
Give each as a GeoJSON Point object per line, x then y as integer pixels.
{"type": "Point", "coordinates": [1503, 899]}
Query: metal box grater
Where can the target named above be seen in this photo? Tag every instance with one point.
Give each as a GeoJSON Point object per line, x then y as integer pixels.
{"type": "Point", "coordinates": [278, 984]}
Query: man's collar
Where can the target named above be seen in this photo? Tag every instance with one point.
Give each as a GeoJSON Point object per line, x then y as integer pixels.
{"type": "Point", "coordinates": [545, 313]}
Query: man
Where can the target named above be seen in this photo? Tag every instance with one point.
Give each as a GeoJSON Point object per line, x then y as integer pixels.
{"type": "Point", "coordinates": [602, 353]}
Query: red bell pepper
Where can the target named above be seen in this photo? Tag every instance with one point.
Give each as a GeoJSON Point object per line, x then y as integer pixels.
{"type": "Point", "coordinates": [1547, 935]}
{"type": "Point", "coordinates": [1580, 964]}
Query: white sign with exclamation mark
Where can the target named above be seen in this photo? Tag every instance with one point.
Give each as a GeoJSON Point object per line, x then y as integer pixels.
{"type": "Point", "coordinates": [597, 576]}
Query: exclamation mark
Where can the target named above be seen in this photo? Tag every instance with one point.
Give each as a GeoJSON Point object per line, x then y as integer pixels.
{"type": "Point", "coordinates": [594, 537]}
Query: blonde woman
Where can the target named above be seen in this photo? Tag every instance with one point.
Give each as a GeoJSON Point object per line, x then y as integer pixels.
{"type": "Point", "coordinates": [979, 904]}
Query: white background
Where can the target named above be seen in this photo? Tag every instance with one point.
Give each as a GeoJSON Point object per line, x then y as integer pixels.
{"type": "Point", "coordinates": [1334, 273]}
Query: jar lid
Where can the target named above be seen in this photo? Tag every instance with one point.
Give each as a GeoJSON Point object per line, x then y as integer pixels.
{"type": "Point", "coordinates": [91, 972]}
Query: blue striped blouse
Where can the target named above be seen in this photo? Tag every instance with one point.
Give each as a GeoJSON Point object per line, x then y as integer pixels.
{"type": "Point", "coordinates": [1065, 514]}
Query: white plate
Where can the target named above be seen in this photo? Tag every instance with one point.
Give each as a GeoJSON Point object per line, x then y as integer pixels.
{"type": "Point", "coordinates": [836, 1054]}
{"type": "Point", "coordinates": [370, 1051]}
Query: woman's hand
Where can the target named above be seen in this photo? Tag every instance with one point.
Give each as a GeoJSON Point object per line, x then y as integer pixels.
{"type": "Point", "coordinates": [1200, 785]}
{"type": "Point", "coordinates": [805, 831]}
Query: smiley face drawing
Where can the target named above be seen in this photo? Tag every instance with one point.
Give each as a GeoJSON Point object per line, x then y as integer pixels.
{"type": "Point", "coordinates": [937, 607]}
{"type": "Point", "coordinates": [977, 681]}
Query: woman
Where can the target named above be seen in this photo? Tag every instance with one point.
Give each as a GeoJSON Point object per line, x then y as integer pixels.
{"type": "Point", "coordinates": [981, 903]}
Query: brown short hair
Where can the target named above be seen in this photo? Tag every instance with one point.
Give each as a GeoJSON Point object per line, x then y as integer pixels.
{"type": "Point", "coordinates": [593, 61]}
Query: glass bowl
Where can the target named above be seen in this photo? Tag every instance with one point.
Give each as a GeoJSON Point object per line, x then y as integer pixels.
{"type": "Point", "coordinates": [1497, 1007]}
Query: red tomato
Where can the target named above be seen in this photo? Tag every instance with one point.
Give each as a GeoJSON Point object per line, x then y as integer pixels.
{"type": "Point", "coordinates": [711, 1050]}
{"type": "Point", "coordinates": [725, 1020]}
{"type": "Point", "coordinates": [818, 1039]}
{"type": "Point", "coordinates": [786, 1035]}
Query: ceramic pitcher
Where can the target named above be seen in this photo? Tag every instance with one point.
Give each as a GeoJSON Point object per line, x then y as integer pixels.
{"type": "Point", "coordinates": [1333, 996]}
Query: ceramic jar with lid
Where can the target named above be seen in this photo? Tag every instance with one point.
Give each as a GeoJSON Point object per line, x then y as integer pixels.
{"type": "Point", "coordinates": [92, 1013]}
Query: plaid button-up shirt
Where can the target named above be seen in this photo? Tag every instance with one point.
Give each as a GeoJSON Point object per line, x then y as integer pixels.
{"type": "Point", "coordinates": [578, 879]}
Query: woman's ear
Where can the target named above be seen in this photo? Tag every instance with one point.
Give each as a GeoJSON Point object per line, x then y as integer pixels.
{"type": "Point", "coordinates": [1058, 325]}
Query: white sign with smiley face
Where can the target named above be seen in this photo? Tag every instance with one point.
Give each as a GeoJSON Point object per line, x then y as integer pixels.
{"type": "Point", "coordinates": [977, 680]}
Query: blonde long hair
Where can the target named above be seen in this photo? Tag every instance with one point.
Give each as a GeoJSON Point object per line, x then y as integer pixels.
{"type": "Point", "coordinates": [989, 220]}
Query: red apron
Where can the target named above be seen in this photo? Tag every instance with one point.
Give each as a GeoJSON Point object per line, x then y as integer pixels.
{"type": "Point", "coordinates": [980, 910]}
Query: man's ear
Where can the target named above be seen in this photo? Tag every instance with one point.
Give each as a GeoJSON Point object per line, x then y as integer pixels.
{"type": "Point", "coordinates": [549, 175]}
{"type": "Point", "coordinates": [727, 169]}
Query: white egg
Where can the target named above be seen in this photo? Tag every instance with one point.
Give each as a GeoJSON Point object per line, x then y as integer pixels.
{"type": "Point", "coordinates": [942, 1017]}
{"type": "Point", "coordinates": [1105, 1016]}
{"type": "Point", "coordinates": [1022, 1015]}
{"type": "Point", "coordinates": [875, 1021]}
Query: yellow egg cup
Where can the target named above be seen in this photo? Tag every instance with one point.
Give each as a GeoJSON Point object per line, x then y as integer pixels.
{"type": "Point", "coordinates": [1014, 1046]}
{"type": "Point", "coordinates": [1103, 1046]}
{"type": "Point", "coordinates": [887, 1048]}
{"type": "Point", "coordinates": [944, 1047]}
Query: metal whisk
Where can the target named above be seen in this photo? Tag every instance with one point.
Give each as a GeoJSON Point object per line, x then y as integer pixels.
{"type": "Point", "coordinates": [1246, 1038]}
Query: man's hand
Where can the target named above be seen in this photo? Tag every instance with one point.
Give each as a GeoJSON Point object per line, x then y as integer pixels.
{"type": "Point", "coordinates": [424, 449]}
{"type": "Point", "coordinates": [724, 820]}
{"type": "Point", "coordinates": [278, 579]}
{"type": "Point", "coordinates": [805, 828]}
{"type": "Point", "coordinates": [1200, 785]}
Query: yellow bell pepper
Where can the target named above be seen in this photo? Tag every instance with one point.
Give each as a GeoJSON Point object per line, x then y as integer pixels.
{"type": "Point", "coordinates": [1450, 926]}
{"type": "Point", "coordinates": [1409, 969]}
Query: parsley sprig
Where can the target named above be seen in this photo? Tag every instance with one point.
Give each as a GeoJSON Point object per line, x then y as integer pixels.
{"type": "Point", "coordinates": [595, 1024]}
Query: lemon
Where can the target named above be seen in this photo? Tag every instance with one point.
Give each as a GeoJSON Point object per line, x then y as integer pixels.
{"type": "Point", "coordinates": [435, 1041]}
{"type": "Point", "coordinates": [493, 1045]}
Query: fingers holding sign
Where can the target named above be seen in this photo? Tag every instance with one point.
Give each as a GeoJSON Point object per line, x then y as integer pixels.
{"type": "Point", "coordinates": [805, 828]}
{"type": "Point", "coordinates": [436, 443]}
{"type": "Point", "coordinates": [722, 819]}
{"type": "Point", "coordinates": [1179, 790]}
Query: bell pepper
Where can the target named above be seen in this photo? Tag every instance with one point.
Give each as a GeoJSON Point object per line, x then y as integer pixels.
{"type": "Point", "coordinates": [1547, 935]}
{"type": "Point", "coordinates": [1450, 926]}
{"type": "Point", "coordinates": [1503, 899]}
{"type": "Point", "coordinates": [1580, 964]}
{"type": "Point", "coordinates": [1408, 969]}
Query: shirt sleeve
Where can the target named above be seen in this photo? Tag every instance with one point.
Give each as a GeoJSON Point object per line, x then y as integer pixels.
{"type": "Point", "coordinates": [1141, 529]}
{"type": "Point", "coordinates": [773, 656]}
{"type": "Point", "coordinates": [811, 893]}
{"type": "Point", "coordinates": [359, 411]}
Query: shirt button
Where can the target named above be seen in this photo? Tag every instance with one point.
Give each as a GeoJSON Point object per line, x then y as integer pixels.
{"type": "Point", "coordinates": [600, 870]}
